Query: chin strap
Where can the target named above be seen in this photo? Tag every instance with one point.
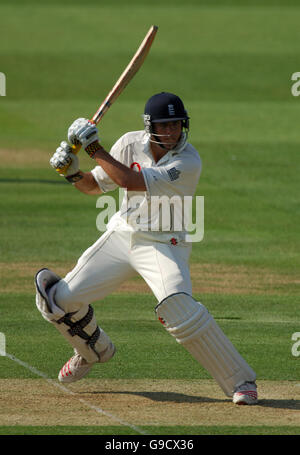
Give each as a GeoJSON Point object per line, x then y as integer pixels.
{"type": "Point", "coordinates": [180, 144]}
{"type": "Point", "coordinates": [156, 141]}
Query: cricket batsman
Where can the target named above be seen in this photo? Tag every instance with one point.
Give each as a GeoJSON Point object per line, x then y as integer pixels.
{"type": "Point", "coordinates": [154, 162]}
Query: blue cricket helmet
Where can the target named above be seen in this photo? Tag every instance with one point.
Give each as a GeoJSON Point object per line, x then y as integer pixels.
{"type": "Point", "coordinates": [164, 107]}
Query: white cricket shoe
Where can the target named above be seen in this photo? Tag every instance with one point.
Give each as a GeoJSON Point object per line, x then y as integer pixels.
{"type": "Point", "coordinates": [245, 394]}
{"type": "Point", "coordinates": [77, 367]}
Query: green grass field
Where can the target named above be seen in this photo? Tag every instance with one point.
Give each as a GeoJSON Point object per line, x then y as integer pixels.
{"type": "Point", "coordinates": [231, 62]}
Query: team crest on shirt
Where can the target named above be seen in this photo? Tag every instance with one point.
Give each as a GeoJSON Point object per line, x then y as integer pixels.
{"type": "Point", "coordinates": [173, 173]}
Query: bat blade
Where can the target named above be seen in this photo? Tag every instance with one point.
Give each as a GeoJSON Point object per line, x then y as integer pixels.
{"type": "Point", "coordinates": [129, 72]}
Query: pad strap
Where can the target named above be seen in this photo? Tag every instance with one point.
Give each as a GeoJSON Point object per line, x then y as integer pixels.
{"type": "Point", "coordinates": [76, 328]}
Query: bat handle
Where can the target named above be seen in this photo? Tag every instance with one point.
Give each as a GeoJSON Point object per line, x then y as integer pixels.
{"type": "Point", "coordinates": [75, 149]}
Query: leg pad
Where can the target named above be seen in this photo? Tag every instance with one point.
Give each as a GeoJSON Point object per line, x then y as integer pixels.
{"type": "Point", "coordinates": [80, 328]}
{"type": "Point", "coordinates": [193, 327]}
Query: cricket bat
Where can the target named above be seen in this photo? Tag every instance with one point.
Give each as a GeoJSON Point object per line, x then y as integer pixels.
{"type": "Point", "coordinates": [129, 72]}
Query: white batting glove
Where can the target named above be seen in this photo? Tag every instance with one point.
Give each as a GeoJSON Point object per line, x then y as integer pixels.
{"type": "Point", "coordinates": [84, 132]}
{"type": "Point", "coordinates": [64, 161]}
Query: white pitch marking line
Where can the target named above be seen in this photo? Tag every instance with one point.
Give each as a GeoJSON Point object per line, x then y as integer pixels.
{"type": "Point", "coordinates": [66, 390]}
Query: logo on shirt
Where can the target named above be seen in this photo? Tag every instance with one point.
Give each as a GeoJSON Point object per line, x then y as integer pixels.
{"type": "Point", "coordinates": [171, 109]}
{"type": "Point", "coordinates": [135, 166]}
{"type": "Point", "coordinates": [173, 173]}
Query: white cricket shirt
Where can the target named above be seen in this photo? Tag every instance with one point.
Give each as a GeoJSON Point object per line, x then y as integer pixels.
{"type": "Point", "coordinates": [171, 183]}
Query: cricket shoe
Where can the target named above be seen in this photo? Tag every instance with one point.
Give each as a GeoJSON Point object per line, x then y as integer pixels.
{"type": "Point", "coordinates": [245, 394]}
{"type": "Point", "coordinates": [77, 367]}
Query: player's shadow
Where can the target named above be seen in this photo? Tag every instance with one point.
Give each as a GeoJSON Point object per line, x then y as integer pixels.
{"type": "Point", "coordinates": [280, 404]}
{"type": "Point", "coordinates": [170, 397]}
{"type": "Point", "coordinates": [174, 397]}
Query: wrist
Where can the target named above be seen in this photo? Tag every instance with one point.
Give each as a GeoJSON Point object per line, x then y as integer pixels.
{"type": "Point", "coordinates": [74, 177]}
{"type": "Point", "coordinates": [93, 148]}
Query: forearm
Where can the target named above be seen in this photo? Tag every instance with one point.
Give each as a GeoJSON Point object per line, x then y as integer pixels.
{"type": "Point", "coordinates": [122, 175]}
{"type": "Point", "coordinates": [87, 184]}
{"type": "Point", "coordinates": [85, 132]}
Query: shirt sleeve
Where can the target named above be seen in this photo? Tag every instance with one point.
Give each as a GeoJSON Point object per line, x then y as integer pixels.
{"type": "Point", "coordinates": [103, 180]}
{"type": "Point", "coordinates": [179, 176]}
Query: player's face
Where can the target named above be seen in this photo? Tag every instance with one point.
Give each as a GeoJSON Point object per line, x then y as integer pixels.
{"type": "Point", "coordinates": [169, 133]}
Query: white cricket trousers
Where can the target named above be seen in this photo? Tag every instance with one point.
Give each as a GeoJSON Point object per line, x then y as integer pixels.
{"type": "Point", "coordinates": [115, 258]}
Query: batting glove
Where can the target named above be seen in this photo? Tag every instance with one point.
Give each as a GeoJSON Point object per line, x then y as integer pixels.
{"type": "Point", "coordinates": [84, 132]}
{"type": "Point", "coordinates": [64, 161]}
